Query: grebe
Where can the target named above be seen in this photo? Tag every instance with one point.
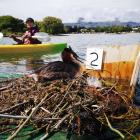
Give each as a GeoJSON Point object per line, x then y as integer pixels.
{"type": "Point", "coordinates": [68, 68]}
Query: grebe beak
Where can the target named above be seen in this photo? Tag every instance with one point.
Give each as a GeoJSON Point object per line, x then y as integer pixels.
{"type": "Point", "coordinates": [76, 56]}
{"type": "Point", "coordinates": [81, 59]}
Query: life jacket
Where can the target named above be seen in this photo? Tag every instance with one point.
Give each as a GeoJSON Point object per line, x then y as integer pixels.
{"type": "Point", "coordinates": [28, 34]}
{"type": "Point", "coordinates": [31, 32]}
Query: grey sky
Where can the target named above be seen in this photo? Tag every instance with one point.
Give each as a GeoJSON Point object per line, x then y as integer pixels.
{"type": "Point", "coordinates": [70, 10]}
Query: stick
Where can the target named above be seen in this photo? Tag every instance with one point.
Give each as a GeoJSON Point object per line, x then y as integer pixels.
{"type": "Point", "coordinates": [4, 88]}
{"type": "Point", "coordinates": [13, 107]}
{"type": "Point", "coordinates": [28, 118]}
{"type": "Point", "coordinates": [56, 126]}
{"type": "Point", "coordinates": [60, 121]}
{"type": "Point", "coordinates": [47, 111]}
{"type": "Point", "coordinates": [113, 129]}
{"type": "Point", "coordinates": [24, 117]}
{"type": "Point", "coordinates": [67, 91]}
{"type": "Point", "coordinates": [79, 103]}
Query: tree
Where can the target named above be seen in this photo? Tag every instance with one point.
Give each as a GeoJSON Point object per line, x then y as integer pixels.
{"type": "Point", "coordinates": [113, 29]}
{"type": "Point", "coordinates": [53, 25]}
{"type": "Point", "coordinates": [99, 29]}
{"type": "Point", "coordinates": [67, 29]}
{"type": "Point", "coordinates": [138, 30]}
{"type": "Point", "coordinates": [40, 25]}
{"type": "Point", "coordinates": [9, 24]}
{"type": "Point", "coordinates": [127, 29]}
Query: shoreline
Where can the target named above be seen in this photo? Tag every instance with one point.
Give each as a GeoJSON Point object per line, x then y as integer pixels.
{"type": "Point", "coordinates": [96, 33]}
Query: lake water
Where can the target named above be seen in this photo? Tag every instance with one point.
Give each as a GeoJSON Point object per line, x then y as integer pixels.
{"type": "Point", "coordinates": [79, 42]}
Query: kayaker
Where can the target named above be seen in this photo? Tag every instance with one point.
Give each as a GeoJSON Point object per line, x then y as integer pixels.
{"type": "Point", "coordinates": [27, 37]}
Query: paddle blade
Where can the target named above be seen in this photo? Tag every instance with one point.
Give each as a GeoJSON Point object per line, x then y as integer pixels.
{"type": "Point", "coordinates": [41, 36]}
{"type": "Point", "coordinates": [1, 35]}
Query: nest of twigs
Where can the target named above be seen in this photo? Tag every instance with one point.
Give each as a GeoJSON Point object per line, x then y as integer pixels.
{"type": "Point", "coordinates": [68, 105]}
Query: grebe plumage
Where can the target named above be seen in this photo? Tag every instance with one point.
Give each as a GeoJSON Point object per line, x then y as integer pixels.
{"type": "Point", "coordinates": [68, 68]}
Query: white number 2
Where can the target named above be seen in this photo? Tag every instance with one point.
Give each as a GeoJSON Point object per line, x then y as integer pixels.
{"type": "Point", "coordinates": [94, 58]}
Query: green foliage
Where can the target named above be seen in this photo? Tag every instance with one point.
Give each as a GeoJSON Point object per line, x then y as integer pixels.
{"type": "Point", "coordinates": [9, 24]}
{"type": "Point", "coordinates": [75, 29]}
{"type": "Point", "coordinates": [40, 25]}
{"type": "Point", "coordinates": [67, 29]}
{"type": "Point", "coordinates": [113, 29]}
{"type": "Point", "coordinates": [127, 29]}
{"type": "Point", "coordinates": [138, 29]}
{"type": "Point", "coordinates": [106, 29]}
{"type": "Point", "coordinates": [52, 25]}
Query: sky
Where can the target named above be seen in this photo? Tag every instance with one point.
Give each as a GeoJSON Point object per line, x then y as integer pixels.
{"type": "Point", "coordinates": [71, 10]}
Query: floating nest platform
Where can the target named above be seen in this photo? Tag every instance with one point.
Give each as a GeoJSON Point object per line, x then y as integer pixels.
{"type": "Point", "coordinates": [71, 106]}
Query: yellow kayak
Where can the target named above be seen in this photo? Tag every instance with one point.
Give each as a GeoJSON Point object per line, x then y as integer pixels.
{"type": "Point", "coordinates": [32, 48]}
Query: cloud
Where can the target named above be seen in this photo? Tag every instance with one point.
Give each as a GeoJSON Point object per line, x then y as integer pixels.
{"type": "Point", "coordinates": [71, 10]}
{"type": "Point", "coordinates": [132, 15]}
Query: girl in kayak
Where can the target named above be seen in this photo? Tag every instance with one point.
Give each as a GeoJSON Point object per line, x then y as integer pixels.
{"type": "Point", "coordinates": [27, 37]}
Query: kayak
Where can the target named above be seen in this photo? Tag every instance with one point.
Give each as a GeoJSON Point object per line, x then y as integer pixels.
{"type": "Point", "coordinates": [32, 48]}
{"type": "Point", "coordinates": [30, 51]}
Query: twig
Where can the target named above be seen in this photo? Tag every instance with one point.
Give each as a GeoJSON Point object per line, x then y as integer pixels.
{"type": "Point", "coordinates": [79, 103]}
{"type": "Point", "coordinates": [24, 117]}
{"type": "Point", "coordinates": [4, 88]}
{"type": "Point", "coordinates": [110, 89]}
{"type": "Point", "coordinates": [56, 126]}
{"type": "Point", "coordinates": [28, 118]}
{"type": "Point", "coordinates": [61, 121]}
{"type": "Point", "coordinates": [13, 107]}
{"type": "Point", "coordinates": [113, 129]}
{"type": "Point", "coordinates": [61, 109]}
{"type": "Point", "coordinates": [67, 91]}
{"type": "Point", "coordinates": [1, 133]}
{"type": "Point", "coordinates": [47, 111]}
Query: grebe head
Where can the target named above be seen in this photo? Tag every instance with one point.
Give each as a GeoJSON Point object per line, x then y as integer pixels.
{"type": "Point", "coordinates": [68, 55]}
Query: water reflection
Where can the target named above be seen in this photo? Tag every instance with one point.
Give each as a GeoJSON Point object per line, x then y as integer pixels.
{"type": "Point", "coordinates": [25, 66]}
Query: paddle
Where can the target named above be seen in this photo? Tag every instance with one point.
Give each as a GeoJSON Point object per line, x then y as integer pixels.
{"type": "Point", "coordinates": [41, 36]}
{"type": "Point", "coordinates": [1, 35]}
{"type": "Point", "coordinates": [9, 41]}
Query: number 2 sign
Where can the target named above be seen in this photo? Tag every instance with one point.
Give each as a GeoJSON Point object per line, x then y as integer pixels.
{"type": "Point", "coordinates": [94, 58]}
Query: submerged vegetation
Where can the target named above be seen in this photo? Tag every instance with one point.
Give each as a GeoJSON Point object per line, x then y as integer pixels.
{"type": "Point", "coordinates": [71, 106]}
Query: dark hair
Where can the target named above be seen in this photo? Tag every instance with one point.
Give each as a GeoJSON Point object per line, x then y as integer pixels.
{"type": "Point", "coordinates": [29, 20]}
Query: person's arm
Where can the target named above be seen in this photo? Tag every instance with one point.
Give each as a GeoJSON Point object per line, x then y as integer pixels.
{"type": "Point", "coordinates": [19, 41]}
{"type": "Point", "coordinates": [26, 34]}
